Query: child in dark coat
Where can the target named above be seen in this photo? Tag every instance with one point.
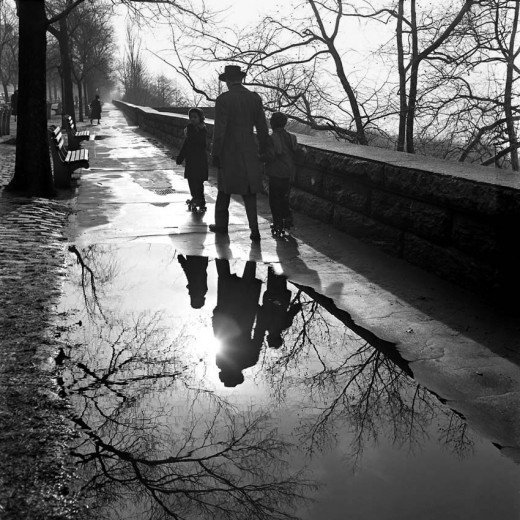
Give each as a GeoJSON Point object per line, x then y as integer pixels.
{"type": "Point", "coordinates": [194, 151]}
{"type": "Point", "coordinates": [280, 168]}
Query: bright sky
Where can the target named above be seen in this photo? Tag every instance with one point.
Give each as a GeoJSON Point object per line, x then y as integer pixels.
{"type": "Point", "coordinates": [241, 13]}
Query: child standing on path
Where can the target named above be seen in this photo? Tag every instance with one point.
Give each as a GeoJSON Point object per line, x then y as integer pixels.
{"type": "Point", "coordinates": [194, 151]}
{"type": "Point", "coordinates": [281, 168]}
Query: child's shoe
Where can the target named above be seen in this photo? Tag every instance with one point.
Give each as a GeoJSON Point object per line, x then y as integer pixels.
{"type": "Point", "coordinates": [277, 230]}
{"type": "Point", "coordinates": [198, 206]}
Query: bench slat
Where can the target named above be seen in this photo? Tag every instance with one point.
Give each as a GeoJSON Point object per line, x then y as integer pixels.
{"type": "Point", "coordinates": [76, 156]}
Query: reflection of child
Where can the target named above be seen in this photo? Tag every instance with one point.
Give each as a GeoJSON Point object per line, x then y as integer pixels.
{"type": "Point", "coordinates": [277, 312]}
{"type": "Point", "coordinates": [194, 151]}
{"type": "Point", "coordinates": [280, 167]}
{"type": "Point", "coordinates": [195, 269]}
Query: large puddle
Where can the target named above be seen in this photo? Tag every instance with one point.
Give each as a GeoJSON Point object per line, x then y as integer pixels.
{"type": "Point", "coordinates": [209, 388]}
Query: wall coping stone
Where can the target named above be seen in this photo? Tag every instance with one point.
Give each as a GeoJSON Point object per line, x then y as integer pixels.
{"type": "Point", "coordinates": [467, 171]}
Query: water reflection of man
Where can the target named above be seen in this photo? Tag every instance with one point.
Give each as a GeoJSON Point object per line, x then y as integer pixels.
{"type": "Point", "coordinates": [195, 269]}
{"type": "Point", "coordinates": [277, 312]}
{"type": "Point", "coordinates": [233, 319]}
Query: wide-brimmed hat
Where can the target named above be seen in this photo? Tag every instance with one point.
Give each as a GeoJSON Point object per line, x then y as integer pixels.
{"type": "Point", "coordinates": [231, 72]}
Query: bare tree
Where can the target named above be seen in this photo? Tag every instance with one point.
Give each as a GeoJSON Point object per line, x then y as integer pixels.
{"type": "Point", "coordinates": [192, 454]}
{"type": "Point", "coordinates": [92, 46]}
{"type": "Point", "coordinates": [289, 59]}
{"type": "Point", "coordinates": [8, 47]}
{"type": "Point", "coordinates": [165, 92]}
{"type": "Point", "coordinates": [132, 71]}
{"type": "Point", "coordinates": [357, 382]}
{"type": "Point", "coordinates": [492, 105]}
{"type": "Point", "coordinates": [33, 175]}
{"type": "Point", "coordinates": [420, 37]}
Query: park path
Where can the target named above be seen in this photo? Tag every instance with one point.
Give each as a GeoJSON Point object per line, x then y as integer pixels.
{"type": "Point", "coordinates": [457, 346]}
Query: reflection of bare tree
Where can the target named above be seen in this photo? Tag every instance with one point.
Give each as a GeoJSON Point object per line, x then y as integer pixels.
{"type": "Point", "coordinates": [156, 443]}
{"type": "Point", "coordinates": [97, 269]}
{"type": "Point", "coordinates": [358, 382]}
{"type": "Point", "coordinates": [456, 437]}
{"type": "Point", "coordinates": [228, 466]}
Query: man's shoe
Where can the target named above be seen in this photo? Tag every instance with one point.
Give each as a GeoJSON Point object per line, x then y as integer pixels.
{"type": "Point", "coordinates": [255, 236]}
{"type": "Point", "coordinates": [218, 229]}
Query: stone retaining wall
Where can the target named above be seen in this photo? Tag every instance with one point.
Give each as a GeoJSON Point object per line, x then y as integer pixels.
{"type": "Point", "coordinates": [458, 221]}
{"type": "Point", "coordinates": [209, 112]}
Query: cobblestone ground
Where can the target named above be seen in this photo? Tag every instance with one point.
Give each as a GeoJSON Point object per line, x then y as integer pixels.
{"type": "Point", "coordinates": [34, 470]}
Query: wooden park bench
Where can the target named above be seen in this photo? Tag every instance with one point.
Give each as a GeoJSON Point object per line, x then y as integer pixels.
{"type": "Point", "coordinates": [83, 135]}
{"type": "Point", "coordinates": [74, 137]}
{"type": "Point", "coordinates": [65, 161]}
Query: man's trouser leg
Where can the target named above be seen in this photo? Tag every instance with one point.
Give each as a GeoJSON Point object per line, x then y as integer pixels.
{"type": "Point", "coordinates": [222, 210]}
{"type": "Point", "coordinates": [250, 204]}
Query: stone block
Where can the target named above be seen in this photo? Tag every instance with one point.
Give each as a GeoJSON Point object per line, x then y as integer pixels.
{"type": "Point", "coordinates": [345, 192]}
{"type": "Point", "coordinates": [309, 180]}
{"type": "Point", "coordinates": [432, 222]}
{"type": "Point", "coordinates": [361, 170]}
{"type": "Point", "coordinates": [390, 208]}
{"type": "Point", "coordinates": [368, 230]}
{"type": "Point", "coordinates": [475, 236]}
{"type": "Point", "coordinates": [311, 205]}
{"type": "Point", "coordinates": [450, 264]}
{"type": "Point", "coordinates": [452, 192]}
{"type": "Point", "coordinates": [364, 171]}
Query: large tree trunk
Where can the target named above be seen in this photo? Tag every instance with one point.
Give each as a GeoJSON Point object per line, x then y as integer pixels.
{"type": "Point", "coordinates": [360, 130]}
{"type": "Point", "coordinates": [6, 94]}
{"type": "Point", "coordinates": [80, 100]}
{"type": "Point", "coordinates": [86, 98]}
{"type": "Point", "coordinates": [403, 106]}
{"type": "Point", "coordinates": [33, 175]}
{"type": "Point", "coordinates": [414, 78]}
{"type": "Point", "coordinates": [66, 69]}
{"type": "Point", "coordinates": [508, 94]}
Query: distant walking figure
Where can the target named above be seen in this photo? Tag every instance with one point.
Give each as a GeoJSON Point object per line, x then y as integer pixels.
{"type": "Point", "coordinates": [195, 268]}
{"type": "Point", "coordinates": [233, 319]}
{"type": "Point", "coordinates": [95, 109]}
{"type": "Point", "coordinates": [281, 169]}
{"type": "Point", "coordinates": [194, 152]}
{"type": "Point", "coordinates": [235, 150]}
{"type": "Point", "coordinates": [14, 104]}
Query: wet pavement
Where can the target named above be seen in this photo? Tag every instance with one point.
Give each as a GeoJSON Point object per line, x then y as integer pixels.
{"type": "Point", "coordinates": [312, 376]}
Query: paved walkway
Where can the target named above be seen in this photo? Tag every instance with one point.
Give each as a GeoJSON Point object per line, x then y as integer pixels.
{"type": "Point", "coordinates": [457, 346]}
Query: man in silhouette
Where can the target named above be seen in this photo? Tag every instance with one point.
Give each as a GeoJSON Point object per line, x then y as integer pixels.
{"type": "Point", "coordinates": [235, 150]}
{"type": "Point", "coordinates": [233, 320]}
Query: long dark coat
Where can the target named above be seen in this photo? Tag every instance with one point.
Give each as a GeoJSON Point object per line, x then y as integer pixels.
{"type": "Point", "coordinates": [233, 319]}
{"type": "Point", "coordinates": [237, 113]}
{"type": "Point", "coordinates": [95, 109]}
{"type": "Point", "coordinates": [193, 150]}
